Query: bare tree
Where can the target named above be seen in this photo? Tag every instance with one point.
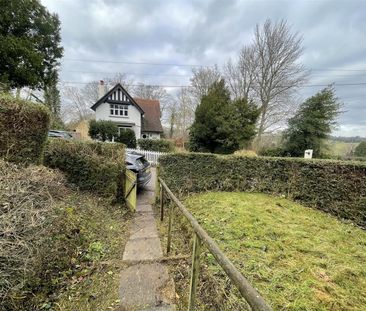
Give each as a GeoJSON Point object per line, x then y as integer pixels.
{"type": "Point", "coordinates": [172, 119]}
{"type": "Point", "coordinates": [90, 92]}
{"type": "Point", "coordinates": [185, 109]}
{"type": "Point", "coordinates": [75, 105]}
{"type": "Point", "coordinates": [122, 79]}
{"type": "Point", "coordinates": [278, 74]}
{"type": "Point", "coordinates": [240, 74]}
{"type": "Point", "coordinates": [268, 72]}
{"type": "Point", "coordinates": [201, 81]}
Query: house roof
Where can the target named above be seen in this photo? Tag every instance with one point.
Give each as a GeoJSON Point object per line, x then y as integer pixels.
{"type": "Point", "coordinates": [151, 119]}
{"type": "Point", "coordinates": [110, 92]}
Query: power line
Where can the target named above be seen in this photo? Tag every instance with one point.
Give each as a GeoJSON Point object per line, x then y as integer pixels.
{"type": "Point", "coordinates": [187, 75]}
{"type": "Point", "coordinates": [131, 63]}
{"type": "Point", "coordinates": [357, 70]}
{"type": "Point", "coordinates": [127, 73]}
{"type": "Point", "coordinates": [182, 65]}
{"type": "Point", "coordinates": [153, 85]}
{"type": "Point", "coordinates": [335, 84]}
{"type": "Point", "coordinates": [189, 86]}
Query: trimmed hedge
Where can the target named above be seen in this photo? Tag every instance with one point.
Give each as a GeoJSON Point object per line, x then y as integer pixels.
{"type": "Point", "coordinates": [93, 166]}
{"type": "Point", "coordinates": [103, 130]}
{"type": "Point", "coordinates": [338, 188]}
{"type": "Point", "coordinates": [23, 130]}
{"type": "Point", "coordinates": [160, 145]}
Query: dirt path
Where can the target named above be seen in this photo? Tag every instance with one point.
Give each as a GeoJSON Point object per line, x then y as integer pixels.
{"type": "Point", "coordinates": [145, 284]}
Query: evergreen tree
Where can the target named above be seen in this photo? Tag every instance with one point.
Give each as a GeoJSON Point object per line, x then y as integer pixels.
{"type": "Point", "coordinates": [312, 124]}
{"type": "Point", "coordinates": [246, 114]}
{"type": "Point", "coordinates": [30, 44]}
{"type": "Point", "coordinates": [52, 100]}
{"type": "Point", "coordinates": [220, 125]}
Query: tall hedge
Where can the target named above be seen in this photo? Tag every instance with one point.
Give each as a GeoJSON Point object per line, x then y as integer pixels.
{"type": "Point", "coordinates": [23, 130]}
{"type": "Point", "coordinates": [156, 145]}
{"type": "Point", "coordinates": [338, 188]}
{"type": "Point", "coordinates": [93, 166]}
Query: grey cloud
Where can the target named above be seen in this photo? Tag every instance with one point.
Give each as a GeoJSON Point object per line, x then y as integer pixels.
{"type": "Point", "coordinates": [209, 32]}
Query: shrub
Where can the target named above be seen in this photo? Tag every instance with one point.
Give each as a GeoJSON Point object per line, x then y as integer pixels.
{"type": "Point", "coordinates": [93, 166]}
{"type": "Point", "coordinates": [102, 130]}
{"type": "Point", "coordinates": [128, 138]}
{"type": "Point", "coordinates": [272, 152]}
{"type": "Point", "coordinates": [156, 145]}
{"type": "Point", "coordinates": [23, 130]}
{"type": "Point", "coordinates": [338, 188]}
{"type": "Point", "coordinates": [360, 150]}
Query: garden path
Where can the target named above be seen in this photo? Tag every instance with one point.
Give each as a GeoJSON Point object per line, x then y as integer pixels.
{"type": "Point", "coordinates": [145, 284]}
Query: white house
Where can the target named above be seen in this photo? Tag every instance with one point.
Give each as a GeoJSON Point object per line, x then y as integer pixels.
{"type": "Point", "coordinates": [140, 115]}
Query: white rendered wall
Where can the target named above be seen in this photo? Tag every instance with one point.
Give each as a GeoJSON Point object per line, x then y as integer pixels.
{"type": "Point", "coordinates": [150, 135]}
{"type": "Point", "coordinates": [134, 116]}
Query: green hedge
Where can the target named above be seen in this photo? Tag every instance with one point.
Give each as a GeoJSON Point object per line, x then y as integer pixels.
{"type": "Point", "coordinates": [93, 166]}
{"type": "Point", "coordinates": [335, 187]}
{"type": "Point", "coordinates": [156, 145]}
{"type": "Point", "coordinates": [23, 130]}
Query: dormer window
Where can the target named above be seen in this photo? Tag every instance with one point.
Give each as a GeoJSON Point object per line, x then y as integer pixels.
{"type": "Point", "coordinates": [118, 110]}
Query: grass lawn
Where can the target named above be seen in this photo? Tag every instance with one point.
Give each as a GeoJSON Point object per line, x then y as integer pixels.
{"type": "Point", "coordinates": [298, 258]}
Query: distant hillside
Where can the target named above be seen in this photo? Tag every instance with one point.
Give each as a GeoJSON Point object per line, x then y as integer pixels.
{"type": "Point", "coordinates": [354, 139]}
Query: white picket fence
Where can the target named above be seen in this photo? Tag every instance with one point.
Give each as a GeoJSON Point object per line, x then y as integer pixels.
{"type": "Point", "coordinates": [151, 156]}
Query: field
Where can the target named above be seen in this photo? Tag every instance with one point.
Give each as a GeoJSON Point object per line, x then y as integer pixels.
{"type": "Point", "coordinates": [297, 257]}
{"type": "Point", "coordinates": [340, 148]}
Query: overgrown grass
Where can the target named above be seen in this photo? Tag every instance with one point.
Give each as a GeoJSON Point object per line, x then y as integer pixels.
{"type": "Point", "coordinates": [95, 282]}
{"type": "Point", "coordinates": [299, 258]}
{"type": "Point", "coordinates": [60, 248]}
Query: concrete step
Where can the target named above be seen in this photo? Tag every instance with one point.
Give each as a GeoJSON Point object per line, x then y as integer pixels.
{"type": "Point", "coordinates": [145, 287]}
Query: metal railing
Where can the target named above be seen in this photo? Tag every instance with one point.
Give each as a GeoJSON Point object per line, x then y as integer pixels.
{"type": "Point", "coordinates": [248, 292]}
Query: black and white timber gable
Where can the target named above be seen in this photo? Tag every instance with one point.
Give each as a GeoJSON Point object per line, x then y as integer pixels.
{"type": "Point", "coordinates": [118, 96]}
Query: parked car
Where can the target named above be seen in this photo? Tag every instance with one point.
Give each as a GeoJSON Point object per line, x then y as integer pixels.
{"type": "Point", "coordinates": [59, 134]}
{"type": "Point", "coordinates": [137, 163]}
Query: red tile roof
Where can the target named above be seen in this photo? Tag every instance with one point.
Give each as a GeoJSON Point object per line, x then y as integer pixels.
{"type": "Point", "coordinates": [151, 120]}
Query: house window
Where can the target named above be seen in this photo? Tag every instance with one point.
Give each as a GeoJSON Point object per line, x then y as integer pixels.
{"type": "Point", "coordinates": [118, 110]}
{"type": "Point", "coordinates": [123, 128]}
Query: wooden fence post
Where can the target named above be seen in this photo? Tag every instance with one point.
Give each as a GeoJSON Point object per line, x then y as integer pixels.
{"type": "Point", "coordinates": [171, 209]}
{"type": "Point", "coordinates": [197, 244]}
{"type": "Point", "coordinates": [161, 203]}
{"type": "Point", "coordinates": [157, 184]}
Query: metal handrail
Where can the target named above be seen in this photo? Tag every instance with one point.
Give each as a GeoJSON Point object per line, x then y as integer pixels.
{"type": "Point", "coordinates": [248, 292]}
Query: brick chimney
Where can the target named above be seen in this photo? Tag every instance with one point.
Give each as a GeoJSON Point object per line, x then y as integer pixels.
{"type": "Point", "coordinates": [102, 89]}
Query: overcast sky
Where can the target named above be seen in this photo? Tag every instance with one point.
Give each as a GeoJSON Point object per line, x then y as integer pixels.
{"type": "Point", "coordinates": [208, 33]}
